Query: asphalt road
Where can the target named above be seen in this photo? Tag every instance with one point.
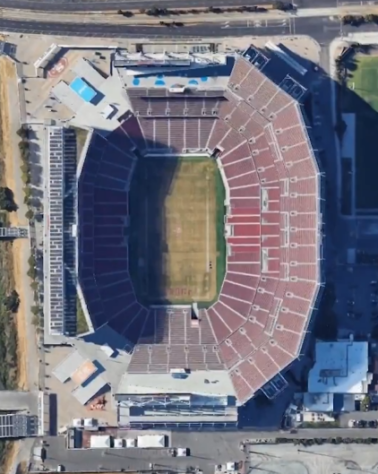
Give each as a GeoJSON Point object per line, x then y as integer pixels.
{"type": "Point", "coordinates": [11, 400]}
{"type": "Point", "coordinates": [322, 29]}
{"type": "Point", "coordinates": [93, 5]}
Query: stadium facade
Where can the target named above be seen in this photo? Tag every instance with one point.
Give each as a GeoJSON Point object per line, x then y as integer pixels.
{"type": "Point", "coordinates": [189, 367]}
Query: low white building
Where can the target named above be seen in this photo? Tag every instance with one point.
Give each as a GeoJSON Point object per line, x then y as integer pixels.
{"type": "Point", "coordinates": [100, 441]}
{"type": "Point", "coordinates": [339, 376]}
{"type": "Point", "coordinates": [328, 402]}
{"type": "Point", "coordinates": [340, 367]}
{"type": "Point", "coordinates": [151, 441]}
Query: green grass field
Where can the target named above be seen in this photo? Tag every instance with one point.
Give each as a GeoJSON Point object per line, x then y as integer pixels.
{"type": "Point", "coordinates": [177, 246]}
{"type": "Point", "coordinates": [364, 79]}
{"type": "Point", "coordinates": [361, 98]}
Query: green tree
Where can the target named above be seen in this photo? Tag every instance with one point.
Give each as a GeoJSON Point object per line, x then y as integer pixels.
{"type": "Point", "coordinates": [24, 154]}
{"type": "Point", "coordinates": [6, 200]}
{"type": "Point", "coordinates": [36, 320]}
{"type": "Point", "coordinates": [347, 19]}
{"type": "Point", "coordinates": [31, 261]}
{"type": "Point", "coordinates": [81, 322]}
{"type": "Point", "coordinates": [12, 302]}
{"type": "Point", "coordinates": [23, 145]}
{"type": "Point", "coordinates": [32, 272]}
{"type": "Point", "coordinates": [22, 133]}
{"type": "Point", "coordinates": [25, 177]}
{"type": "Point", "coordinates": [25, 167]}
{"type": "Point", "coordinates": [154, 11]}
{"type": "Point", "coordinates": [27, 194]}
{"type": "Point", "coordinates": [29, 214]}
{"type": "Point", "coordinates": [278, 5]}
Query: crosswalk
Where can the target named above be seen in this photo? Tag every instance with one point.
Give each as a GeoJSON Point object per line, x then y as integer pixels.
{"type": "Point", "coordinates": [257, 24]}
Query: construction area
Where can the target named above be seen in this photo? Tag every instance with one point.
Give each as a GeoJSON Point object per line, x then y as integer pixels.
{"type": "Point", "coordinates": [288, 459]}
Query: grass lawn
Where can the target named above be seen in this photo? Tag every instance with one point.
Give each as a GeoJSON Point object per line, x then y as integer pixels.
{"type": "Point", "coordinates": [176, 240]}
{"type": "Point", "coordinates": [361, 98]}
{"type": "Point", "coordinates": [82, 326]}
{"type": "Point", "coordinates": [221, 241]}
{"type": "Point", "coordinates": [364, 80]}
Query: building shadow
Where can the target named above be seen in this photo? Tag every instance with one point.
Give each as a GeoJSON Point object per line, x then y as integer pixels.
{"type": "Point", "coordinates": [53, 414]}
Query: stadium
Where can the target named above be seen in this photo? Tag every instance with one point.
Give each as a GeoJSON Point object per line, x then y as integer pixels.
{"type": "Point", "coordinates": [199, 234]}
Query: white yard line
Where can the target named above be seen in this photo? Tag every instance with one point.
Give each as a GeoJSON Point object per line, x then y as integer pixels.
{"type": "Point", "coordinates": [207, 228]}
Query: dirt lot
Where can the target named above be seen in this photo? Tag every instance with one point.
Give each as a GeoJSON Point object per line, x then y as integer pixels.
{"type": "Point", "coordinates": [327, 458]}
{"type": "Point", "coordinates": [7, 73]}
{"type": "Point", "coordinates": [174, 207]}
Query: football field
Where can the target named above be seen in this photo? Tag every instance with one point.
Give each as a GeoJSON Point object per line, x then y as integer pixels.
{"type": "Point", "coordinates": [175, 216]}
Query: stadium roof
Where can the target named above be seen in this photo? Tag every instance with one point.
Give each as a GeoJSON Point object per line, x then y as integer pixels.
{"type": "Point", "coordinates": [82, 89]}
{"type": "Point", "coordinates": [340, 367]}
{"type": "Point", "coordinates": [84, 374]}
{"type": "Point", "coordinates": [256, 129]}
{"type": "Point", "coordinates": [201, 382]}
{"type": "Point", "coordinates": [85, 393]}
{"type": "Point", "coordinates": [83, 68]}
{"type": "Point", "coordinates": [69, 366]}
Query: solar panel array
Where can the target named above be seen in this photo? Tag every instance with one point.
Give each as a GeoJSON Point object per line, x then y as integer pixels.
{"type": "Point", "coordinates": [257, 131]}
{"type": "Point", "coordinates": [14, 232]}
{"type": "Point", "coordinates": [18, 426]}
{"type": "Point", "coordinates": [55, 231]}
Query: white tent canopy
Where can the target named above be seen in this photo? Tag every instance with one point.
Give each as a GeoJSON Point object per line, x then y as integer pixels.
{"type": "Point", "coordinates": [151, 441]}
{"type": "Point", "coordinates": [100, 441]}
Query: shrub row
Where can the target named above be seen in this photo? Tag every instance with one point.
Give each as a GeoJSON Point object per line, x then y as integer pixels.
{"type": "Point", "coordinates": [156, 11]}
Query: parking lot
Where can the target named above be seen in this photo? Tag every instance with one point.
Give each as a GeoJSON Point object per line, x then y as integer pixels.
{"type": "Point", "coordinates": [207, 450]}
{"type": "Point", "coordinates": [360, 420]}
